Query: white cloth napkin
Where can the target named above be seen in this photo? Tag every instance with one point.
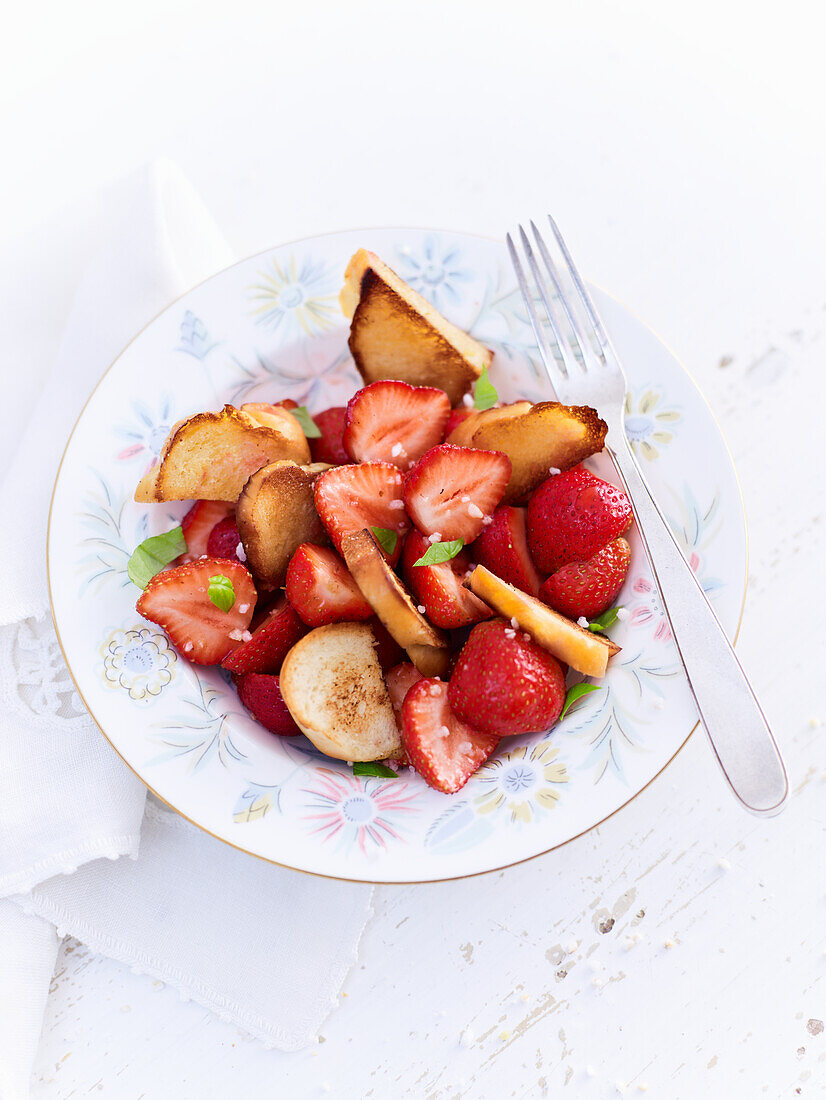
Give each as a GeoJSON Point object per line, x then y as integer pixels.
{"type": "Point", "coordinates": [263, 947]}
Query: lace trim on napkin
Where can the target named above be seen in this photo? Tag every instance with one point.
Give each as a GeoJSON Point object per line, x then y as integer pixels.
{"type": "Point", "coordinates": [34, 680]}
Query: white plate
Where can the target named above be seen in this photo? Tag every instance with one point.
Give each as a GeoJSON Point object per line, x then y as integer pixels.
{"type": "Point", "coordinates": [270, 327]}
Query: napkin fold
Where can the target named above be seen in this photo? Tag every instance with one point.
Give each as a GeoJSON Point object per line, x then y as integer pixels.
{"type": "Point", "coordinates": [261, 946]}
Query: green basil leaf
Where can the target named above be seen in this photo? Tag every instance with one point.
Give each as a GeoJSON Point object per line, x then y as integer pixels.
{"type": "Point", "coordinates": [484, 394]}
{"type": "Point", "coordinates": [606, 619]}
{"type": "Point", "coordinates": [439, 552]}
{"type": "Point", "coordinates": [386, 538]}
{"type": "Point", "coordinates": [370, 767]}
{"type": "Point", "coordinates": [308, 425]}
{"type": "Point", "coordinates": [153, 554]}
{"type": "Point", "coordinates": [575, 693]}
{"type": "Point", "coordinates": [221, 592]}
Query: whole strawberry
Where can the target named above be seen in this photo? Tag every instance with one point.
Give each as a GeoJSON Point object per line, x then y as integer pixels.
{"type": "Point", "coordinates": [504, 683]}
{"type": "Point", "coordinates": [588, 588]}
{"type": "Point", "coordinates": [573, 515]}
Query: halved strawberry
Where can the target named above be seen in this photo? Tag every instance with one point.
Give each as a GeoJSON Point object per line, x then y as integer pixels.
{"type": "Point", "coordinates": [443, 750]}
{"type": "Point", "coordinates": [457, 416]}
{"type": "Point", "coordinates": [262, 697]}
{"type": "Point", "coordinates": [224, 540]}
{"type": "Point", "coordinates": [178, 600]}
{"type": "Point", "coordinates": [400, 680]}
{"type": "Point", "coordinates": [328, 447]}
{"type": "Point", "coordinates": [451, 490]}
{"type": "Point", "coordinates": [321, 590]}
{"type": "Point", "coordinates": [391, 421]}
{"type": "Point", "coordinates": [439, 589]}
{"type": "Point", "coordinates": [270, 643]}
{"type": "Point", "coordinates": [503, 549]}
{"type": "Point", "coordinates": [590, 587]}
{"type": "Point", "coordinates": [198, 523]}
{"type": "Point", "coordinates": [350, 498]}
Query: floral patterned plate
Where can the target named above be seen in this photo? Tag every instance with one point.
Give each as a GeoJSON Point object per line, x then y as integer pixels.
{"type": "Point", "coordinates": [270, 327]}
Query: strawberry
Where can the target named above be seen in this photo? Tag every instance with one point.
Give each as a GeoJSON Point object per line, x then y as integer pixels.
{"type": "Point", "coordinates": [503, 549]}
{"type": "Point", "coordinates": [457, 416]}
{"type": "Point", "coordinates": [442, 749]}
{"type": "Point", "coordinates": [438, 588]}
{"type": "Point", "coordinates": [391, 421]}
{"type": "Point", "coordinates": [224, 540]}
{"type": "Point", "coordinates": [178, 600]}
{"type": "Point", "coordinates": [388, 650]}
{"type": "Point", "coordinates": [197, 525]}
{"type": "Point", "coordinates": [505, 683]}
{"type": "Point", "coordinates": [588, 588]}
{"type": "Point", "coordinates": [573, 515]}
{"type": "Point", "coordinates": [349, 498]}
{"type": "Point", "coordinates": [328, 447]}
{"type": "Point", "coordinates": [287, 404]}
{"type": "Point", "coordinates": [271, 641]}
{"type": "Point", "coordinates": [262, 697]}
{"type": "Point", "coordinates": [399, 680]}
{"type": "Point", "coordinates": [451, 490]}
{"type": "Point", "coordinates": [320, 588]}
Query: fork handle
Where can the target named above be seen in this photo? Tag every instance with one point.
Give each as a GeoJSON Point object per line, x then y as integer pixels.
{"type": "Point", "coordinates": [729, 710]}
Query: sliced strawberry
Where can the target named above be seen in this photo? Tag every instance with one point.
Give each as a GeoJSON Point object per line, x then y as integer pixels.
{"type": "Point", "coordinates": [451, 490]}
{"type": "Point", "coordinates": [349, 498]}
{"type": "Point", "coordinates": [388, 650]}
{"type": "Point", "coordinates": [262, 697]}
{"type": "Point", "coordinates": [320, 588]}
{"type": "Point", "coordinates": [438, 588]}
{"type": "Point", "coordinates": [400, 680]}
{"type": "Point", "coordinates": [505, 682]}
{"type": "Point", "coordinates": [224, 540]}
{"type": "Point", "coordinates": [503, 549]}
{"type": "Point", "coordinates": [391, 421]}
{"type": "Point", "coordinates": [198, 523]}
{"type": "Point", "coordinates": [442, 749]}
{"type": "Point", "coordinates": [457, 417]}
{"type": "Point", "coordinates": [588, 588]}
{"type": "Point", "coordinates": [271, 641]}
{"type": "Point", "coordinates": [178, 600]}
{"type": "Point", "coordinates": [328, 447]}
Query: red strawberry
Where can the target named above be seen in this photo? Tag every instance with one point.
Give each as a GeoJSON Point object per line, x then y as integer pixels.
{"type": "Point", "coordinates": [456, 417]}
{"type": "Point", "coordinates": [588, 588]}
{"type": "Point", "coordinates": [438, 588]}
{"type": "Point", "coordinates": [287, 403]}
{"type": "Point", "coordinates": [388, 650]}
{"type": "Point", "coordinates": [503, 549]}
{"type": "Point", "coordinates": [572, 515]}
{"type": "Point", "coordinates": [349, 498]}
{"type": "Point", "coordinates": [441, 748]}
{"type": "Point", "coordinates": [399, 680]}
{"type": "Point", "coordinates": [505, 683]}
{"type": "Point", "coordinates": [224, 540]}
{"type": "Point", "coordinates": [320, 588]}
{"type": "Point", "coordinates": [270, 643]}
{"type": "Point", "coordinates": [328, 447]}
{"type": "Point", "coordinates": [390, 421]}
{"type": "Point", "coordinates": [451, 490]}
{"type": "Point", "coordinates": [197, 525]}
{"type": "Point", "coordinates": [262, 697]}
{"type": "Point", "coordinates": [178, 600]}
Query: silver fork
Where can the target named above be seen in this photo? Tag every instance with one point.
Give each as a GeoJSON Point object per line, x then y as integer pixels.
{"type": "Point", "coordinates": [584, 369]}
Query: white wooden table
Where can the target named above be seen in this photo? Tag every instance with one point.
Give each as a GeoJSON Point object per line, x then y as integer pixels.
{"type": "Point", "coordinates": [679, 950]}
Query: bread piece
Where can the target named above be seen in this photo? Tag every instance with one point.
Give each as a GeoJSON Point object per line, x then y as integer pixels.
{"type": "Point", "coordinates": [462, 434]}
{"type": "Point", "coordinates": [395, 333]}
{"type": "Point", "coordinates": [393, 603]}
{"type": "Point", "coordinates": [275, 514]}
{"type": "Point", "coordinates": [334, 688]}
{"type": "Point", "coordinates": [211, 455]}
{"type": "Point", "coordinates": [581, 649]}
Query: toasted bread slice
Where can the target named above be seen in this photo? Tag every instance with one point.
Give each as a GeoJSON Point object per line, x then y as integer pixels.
{"type": "Point", "coordinates": [425, 645]}
{"type": "Point", "coordinates": [275, 514]}
{"type": "Point", "coordinates": [395, 333]}
{"type": "Point", "coordinates": [581, 649]}
{"type": "Point", "coordinates": [539, 438]}
{"type": "Point", "coordinates": [280, 420]}
{"type": "Point", "coordinates": [334, 688]}
{"type": "Point", "coordinates": [462, 435]}
{"type": "Point", "coordinates": [211, 455]}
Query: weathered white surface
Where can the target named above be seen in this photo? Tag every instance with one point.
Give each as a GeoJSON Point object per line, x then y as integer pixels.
{"type": "Point", "coordinates": [682, 154]}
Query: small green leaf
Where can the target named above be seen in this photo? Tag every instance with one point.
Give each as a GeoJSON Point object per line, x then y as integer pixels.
{"type": "Point", "coordinates": [221, 592]}
{"type": "Point", "coordinates": [308, 425]}
{"type": "Point", "coordinates": [484, 395]}
{"type": "Point", "coordinates": [369, 767]}
{"type": "Point", "coordinates": [439, 552]}
{"type": "Point", "coordinates": [606, 619]}
{"type": "Point", "coordinates": [575, 693]}
{"type": "Point", "coordinates": [386, 538]}
{"type": "Point", "coordinates": [153, 554]}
